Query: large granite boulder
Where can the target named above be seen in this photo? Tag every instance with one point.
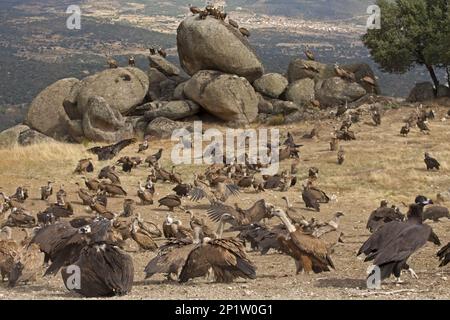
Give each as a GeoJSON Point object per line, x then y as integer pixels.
{"type": "Point", "coordinates": [301, 91]}
{"type": "Point", "coordinates": [46, 113]}
{"type": "Point", "coordinates": [228, 97]}
{"type": "Point", "coordinates": [122, 89]}
{"type": "Point", "coordinates": [174, 110]}
{"type": "Point", "coordinates": [423, 91]}
{"type": "Point", "coordinates": [102, 123]}
{"type": "Point", "coordinates": [30, 137]}
{"type": "Point", "coordinates": [336, 91]}
{"type": "Point", "coordinates": [271, 85]}
{"type": "Point", "coordinates": [212, 44]}
{"type": "Point", "coordinates": [162, 128]}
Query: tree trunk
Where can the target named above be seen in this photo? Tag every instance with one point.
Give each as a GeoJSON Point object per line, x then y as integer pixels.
{"type": "Point", "coordinates": [433, 77]}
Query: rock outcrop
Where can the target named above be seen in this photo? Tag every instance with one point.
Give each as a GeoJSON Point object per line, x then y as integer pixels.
{"type": "Point", "coordinates": [162, 65]}
{"type": "Point", "coordinates": [212, 44]}
{"type": "Point", "coordinates": [173, 110]}
{"type": "Point", "coordinates": [103, 123]}
{"type": "Point", "coordinates": [336, 91]}
{"type": "Point", "coordinates": [122, 89]}
{"type": "Point", "coordinates": [301, 91]}
{"type": "Point", "coordinates": [271, 85]}
{"type": "Point", "coordinates": [228, 97]}
{"type": "Point", "coordinates": [421, 92]}
{"type": "Point", "coordinates": [162, 128]}
{"type": "Point", "coordinates": [46, 113]}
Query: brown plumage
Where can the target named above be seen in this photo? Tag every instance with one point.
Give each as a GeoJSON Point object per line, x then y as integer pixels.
{"type": "Point", "coordinates": [244, 32]}
{"type": "Point", "coordinates": [219, 192]}
{"type": "Point", "coordinates": [341, 155]}
{"type": "Point", "coordinates": [27, 265]}
{"type": "Point", "coordinates": [109, 172]}
{"type": "Point", "coordinates": [334, 144]}
{"type": "Point", "coordinates": [312, 196]}
{"type": "Point", "coordinates": [84, 165]}
{"type": "Point", "coordinates": [233, 23]}
{"type": "Point", "coordinates": [405, 129]}
{"type": "Point", "coordinates": [105, 269]}
{"type": "Point", "coordinates": [84, 195]}
{"type": "Point", "coordinates": [20, 218]}
{"type": "Point", "coordinates": [344, 74]}
{"type": "Point", "coordinates": [310, 55]}
{"type": "Point", "coordinates": [129, 205]}
{"type": "Point", "coordinates": [110, 151]}
{"type": "Point", "coordinates": [162, 52]}
{"type": "Point", "coordinates": [131, 61]}
{"type": "Point", "coordinates": [226, 257]}
{"type": "Point", "coordinates": [309, 252]}
{"type": "Point", "coordinates": [112, 63]}
{"type": "Point", "coordinates": [153, 159]}
{"type": "Point", "coordinates": [112, 189]}
{"type": "Point", "coordinates": [142, 237]}
{"type": "Point", "coordinates": [91, 184]}
{"type": "Point", "coordinates": [46, 191]}
{"type": "Point", "coordinates": [383, 215]}
{"type": "Point", "coordinates": [9, 252]}
{"type": "Point", "coordinates": [143, 146]}
{"type": "Point", "coordinates": [431, 162]}
{"type": "Point", "coordinates": [183, 189]}
{"type": "Point", "coordinates": [195, 10]}
{"type": "Point", "coordinates": [237, 216]}
{"type": "Point", "coordinates": [170, 201]}
{"type": "Point", "coordinates": [145, 195]}
{"type": "Point", "coordinates": [422, 125]}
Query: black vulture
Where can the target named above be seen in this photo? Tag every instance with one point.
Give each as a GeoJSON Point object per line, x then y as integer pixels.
{"type": "Point", "coordinates": [431, 162]}
{"type": "Point", "coordinates": [109, 152]}
{"type": "Point", "coordinates": [444, 255]}
{"type": "Point", "coordinates": [435, 213]}
{"type": "Point", "coordinates": [105, 270]}
{"type": "Point", "coordinates": [383, 215]}
{"type": "Point", "coordinates": [392, 244]}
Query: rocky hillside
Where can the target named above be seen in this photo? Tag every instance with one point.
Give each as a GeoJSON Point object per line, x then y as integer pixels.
{"type": "Point", "coordinates": [222, 76]}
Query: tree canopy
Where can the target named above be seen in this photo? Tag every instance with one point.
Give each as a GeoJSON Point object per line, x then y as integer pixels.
{"type": "Point", "coordinates": [413, 32]}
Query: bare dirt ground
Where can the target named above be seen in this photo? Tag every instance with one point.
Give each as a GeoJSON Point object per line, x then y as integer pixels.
{"type": "Point", "coordinates": [380, 164]}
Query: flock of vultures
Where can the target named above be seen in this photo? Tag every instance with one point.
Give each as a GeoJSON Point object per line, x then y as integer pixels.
{"type": "Point", "coordinates": [64, 241]}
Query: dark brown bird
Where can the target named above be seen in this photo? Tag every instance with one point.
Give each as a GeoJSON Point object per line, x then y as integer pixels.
{"type": "Point", "coordinates": [162, 52]}
{"type": "Point", "coordinates": [84, 165]}
{"type": "Point", "coordinates": [145, 195]}
{"type": "Point", "coordinates": [405, 129]}
{"type": "Point", "coordinates": [435, 213]}
{"type": "Point", "coordinates": [109, 172]}
{"type": "Point", "coordinates": [309, 54]}
{"type": "Point", "coordinates": [308, 252]}
{"type": "Point", "coordinates": [312, 196]}
{"type": "Point", "coordinates": [376, 117]}
{"type": "Point", "coordinates": [112, 63]}
{"type": "Point", "coordinates": [105, 270]}
{"type": "Point", "coordinates": [112, 189]}
{"type": "Point", "coordinates": [110, 151]}
{"type": "Point", "coordinates": [431, 162]}
{"type": "Point", "coordinates": [171, 201]}
{"type": "Point", "coordinates": [143, 146]}
{"type": "Point", "coordinates": [422, 125]}
{"type": "Point", "coordinates": [194, 10]}
{"type": "Point", "coordinates": [46, 191]}
{"type": "Point", "coordinates": [182, 189]}
{"type": "Point", "coordinates": [131, 61]}
{"type": "Point", "coordinates": [341, 155]}
{"type": "Point", "coordinates": [383, 215]}
{"type": "Point", "coordinates": [237, 216]}
{"type": "Point", "coordinates": [91, 184]}
{"type": "Point", "coordinates": [153, 159]}
{"type": "Point", "coordinates": [244, 32]}
{"type": "Point", "coordinates": [233, 23]}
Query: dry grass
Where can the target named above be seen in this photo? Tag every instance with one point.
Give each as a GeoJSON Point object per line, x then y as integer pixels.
{"type": "Point", "coordinates": [380, 164]}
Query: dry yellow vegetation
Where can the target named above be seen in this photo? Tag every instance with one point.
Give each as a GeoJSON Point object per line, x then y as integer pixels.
{"type": "Point", "coordinates": [380, 164]}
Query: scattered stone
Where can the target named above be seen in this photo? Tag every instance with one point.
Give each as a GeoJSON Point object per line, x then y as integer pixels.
{"type": "Point", "coordinates": [301, 91]}
{"type": "Point", "coordinates": [271, 85]}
